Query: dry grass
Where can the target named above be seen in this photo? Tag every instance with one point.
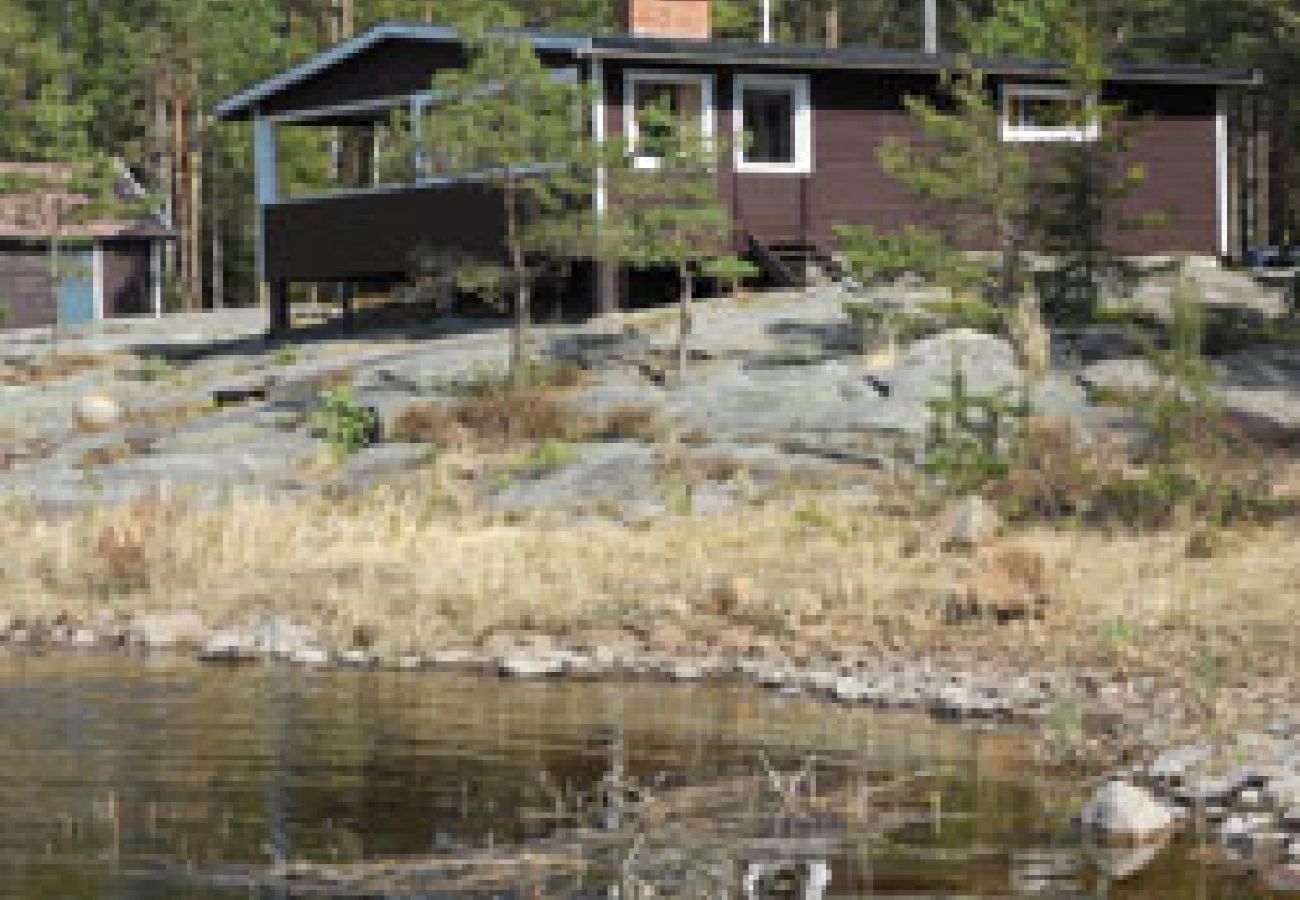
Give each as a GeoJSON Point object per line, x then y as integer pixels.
{"type": "Point", "coordinates": [503, 420]}
{"type": "Point", "coordinates": [53, 368]}
{"type": "Point", "coordinates": [411, 573]}
{"type": "Point", "coordinates": [492, 422]}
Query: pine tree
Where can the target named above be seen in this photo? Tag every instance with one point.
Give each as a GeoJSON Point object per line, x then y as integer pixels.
{"type": "Point", "coordinates": [520, 131]}
{"type": "Point", "coordinates": [669, 215]}
{"type": "Point", "coordinates": [965, 168]}
{"type": "Point", "coordinates": [1079, 191]}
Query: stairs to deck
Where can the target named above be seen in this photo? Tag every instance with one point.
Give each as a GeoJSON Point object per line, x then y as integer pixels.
{"type": "Point", "coordinates": [799, 263]}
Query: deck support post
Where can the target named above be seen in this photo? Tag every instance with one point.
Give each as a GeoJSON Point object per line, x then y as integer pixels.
{"type": "Point", "coordinates": [606, 277]}
{"type": "Point", "coordinates": [280, 320]}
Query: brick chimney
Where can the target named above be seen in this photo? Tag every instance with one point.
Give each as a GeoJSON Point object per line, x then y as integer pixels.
{"type": "Point", "coordinates": [668, 18]}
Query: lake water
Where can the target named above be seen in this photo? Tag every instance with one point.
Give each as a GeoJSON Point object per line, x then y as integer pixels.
{"type": "Point", "coordinates": [139, 779]}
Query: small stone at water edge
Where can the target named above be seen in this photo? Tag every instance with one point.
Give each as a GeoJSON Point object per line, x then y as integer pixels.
{"type": "Point", "coordinates": [309, 656]}
{"type": "Point", "coordinates": [83, 638]}
{"type": "Point", "coordinates": [849, 690]}
{"type": "Point", "coordinates": [410, 662]}
{"type": "Point", "coordinates": [531, 667]}
{"type": "Point", "coordinates": [228, 647]}
{"type": "Point", "coordinates": [686, 671]}
{"type": "Point", "coordinates": [357, 659]}
{"type": "Point", "coordinates": [1124, 813]}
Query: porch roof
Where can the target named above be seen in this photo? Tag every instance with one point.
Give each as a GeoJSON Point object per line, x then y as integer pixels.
{"type": "Point", "coordinates": [244, 105]}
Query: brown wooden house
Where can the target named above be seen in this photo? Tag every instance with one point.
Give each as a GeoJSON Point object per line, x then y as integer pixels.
{"type": "Point", "coordinates": [106, 268]}
{"type": "Point", "coordinates": [813, 118]}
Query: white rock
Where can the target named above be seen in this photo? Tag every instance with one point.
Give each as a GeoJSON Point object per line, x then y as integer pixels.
{"type": "Point", "coordinates": [96, 412]}
{"type": "Point", "coordinates": [850, 690]}
{"type": "Point", "coordinates": [167, 631]}
{"type": "Point", "coordinates": [357, 659]}
{"type": "Point", "coordinates": [83, 639]}
{"type": "Point", "coordinates": [310, 656]}
{"type": "Point", "coordinates": [531, 667]}
{"type": "Point", "coordinates": [409, 662]}
{"type": "Point", "coordinates": [1241, 829]}
{"type": "Point", "coordinates": [1124, 812]}
{"type": "Point", "coordinates": [281, 636]}
{"type": "Point", "coordinates": [229, 646]}
{"type": "Point", "coordinates": [1175, 762]}
{"type": "Point", "coordinates": [822, 680]}
{"type": "Point", "coordinates": [971, 522]}
{"type": "Point", "coordinates": [688, 671]}
{"type": "Point", "coordinates": [1283, 793]}
{"type": "Point", "coordinates": [459, 659]}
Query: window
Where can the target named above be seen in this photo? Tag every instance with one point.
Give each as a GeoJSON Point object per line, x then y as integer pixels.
{"type": "Point", "coordinates": [675, 93]}
{"type": "Point", "coordinates": [1046, 113]}
{"type": "Point", "coordinates": [773, 124]}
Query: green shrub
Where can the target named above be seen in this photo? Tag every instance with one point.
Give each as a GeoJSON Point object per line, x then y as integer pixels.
{"type": "Point", "coordinates": [344, 424]}
{"type": "Point", "coordinates": [547, 457]}
{"type": "Point", "coordinates": [970, 436]}
{"type": "Point", "coordinates": [875, 256]}
{"type": "Point", "coordinates": [967, 311]}
{"type": "Point", "coordinates": [733, 271]}
{"type": "Point", "coordinates": [156, 368]}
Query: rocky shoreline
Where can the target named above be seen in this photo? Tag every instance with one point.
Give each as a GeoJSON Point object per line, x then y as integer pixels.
{"type": "Point", "coordinates": [1240, 793]}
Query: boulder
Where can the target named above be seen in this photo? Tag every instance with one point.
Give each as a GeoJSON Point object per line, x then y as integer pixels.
{"type": "Point", "coordinates": [1121, 813]}
{"type": "Point", "coordinates": [925, 369]}
{"type": "Point", "coordinates": [968, 524]}
{"type": "Point", "coordinates": [1125, 377]}
{"type": "Point", "coordinates": [97, 412]}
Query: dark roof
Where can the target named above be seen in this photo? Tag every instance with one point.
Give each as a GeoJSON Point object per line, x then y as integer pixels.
{"type": "Point", "coordinates": [721, 52]}
{"type": "Point", "coordinates": [36, 213]}
{"type": "Point", "coordinates": [862, 57]}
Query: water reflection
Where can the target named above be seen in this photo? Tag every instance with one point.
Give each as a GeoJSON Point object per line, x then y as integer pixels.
{"type": "Point", "coordinates": [141, 779]}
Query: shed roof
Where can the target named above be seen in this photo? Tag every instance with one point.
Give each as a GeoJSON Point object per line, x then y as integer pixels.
{"type": "Point", "coordinates": [35, 213]}
{"type": "Point", "coordinates": [722, 52]}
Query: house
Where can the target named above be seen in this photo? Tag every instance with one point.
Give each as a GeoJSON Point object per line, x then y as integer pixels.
{"type": "Point", "coordinates": [813, 118]}
{"type": "Point", "coordinates": [107, 267]}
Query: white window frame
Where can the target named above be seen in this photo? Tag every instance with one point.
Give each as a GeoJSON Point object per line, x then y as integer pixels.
{"type": "Point", "coordinates": [631, 131]}
{"type": "Point", "coordinates": [801, 88]}
{"type": "Point", "coordinates": [1021, 134]}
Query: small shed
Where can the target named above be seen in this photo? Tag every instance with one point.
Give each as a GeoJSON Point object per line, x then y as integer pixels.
{"type": "Point", "coordinates": [107, 268]}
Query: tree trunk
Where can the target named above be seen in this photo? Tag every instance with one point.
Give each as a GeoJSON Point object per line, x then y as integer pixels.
{"type": "Point", "coordinates": [832, 23]}
{"type": "Point", "coordinates": [519, 340]}
{"type": "Point", "coordinates": [1010, 287]}
{"type": "Point", "coordinates": [684, 321]}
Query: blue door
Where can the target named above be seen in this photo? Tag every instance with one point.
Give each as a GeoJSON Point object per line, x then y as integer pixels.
{"type": "Point", "coordinates": [76, 287]}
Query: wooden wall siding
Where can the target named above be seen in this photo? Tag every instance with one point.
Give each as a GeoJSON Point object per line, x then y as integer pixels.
{"type": "Point", "coordinates": [26, 289]}
{"type": "Point", "coordinates": [373, 235]}
{"type": "Point", "coordinates": [128, 279]}
{"type": "Point", "coordinates": [1171, 131]}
